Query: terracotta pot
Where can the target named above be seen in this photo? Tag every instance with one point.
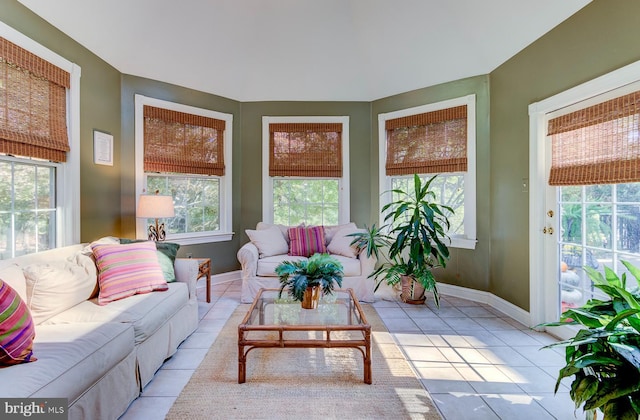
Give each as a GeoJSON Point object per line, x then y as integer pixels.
{"type": "Point", "coordinates": [412, 291]}
{"type": "Point", "coordinates": [311, 297]}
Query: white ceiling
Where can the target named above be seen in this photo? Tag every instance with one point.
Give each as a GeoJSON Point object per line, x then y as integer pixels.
{"type": "Point", "coordinates": [319, 50]}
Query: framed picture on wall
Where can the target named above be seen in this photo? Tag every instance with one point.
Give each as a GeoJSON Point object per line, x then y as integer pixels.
{"type": "Point", "coordinates": [102, 148]}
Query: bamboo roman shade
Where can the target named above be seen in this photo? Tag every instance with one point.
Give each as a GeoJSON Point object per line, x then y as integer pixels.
{"type": "Point", "coordinates": [305, 149]}
{"type": "Point", "coordinates": [182, 143]}
{"type": "Point", "coordinates": [33, 105]}
{"type": "Point", "coordinates": [597, 145]}
{"type": "Point", "coordinates": [428, 143]}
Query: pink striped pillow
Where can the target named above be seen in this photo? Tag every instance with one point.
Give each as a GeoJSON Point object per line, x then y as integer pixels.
{"type": "Point", "coordinates": [17, 330]}
{"type": "Point", "coordinates": [127, 269]}
{"type": "Point", "coordinates": [306, 241]}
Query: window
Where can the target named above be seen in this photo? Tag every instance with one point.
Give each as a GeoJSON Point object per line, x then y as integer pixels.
{"type": "Point", "coordinates": [435, 139]}
{"type": "Point", "coordinates": [39, 152]}
{"type": "Point", "coordinates": [305, 170]}
{"type": "Point", "coordinates": [185, 152]}
{"type": "Point", "coordinates": [27, 207]}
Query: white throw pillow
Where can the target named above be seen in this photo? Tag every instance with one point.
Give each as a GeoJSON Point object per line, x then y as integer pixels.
{"type": "Point", "coordinates": [55, 287]}
{"type": "Point", "coordinates": [340, 243]}
{"type": "Point", "coordinates": [269, 241]}
{"type": "Point", "coordinates": [14, 277]}
{"type": "Point", "coordinates": [331, 230]}
{"type": "Point", "coordinates": [283, 228]}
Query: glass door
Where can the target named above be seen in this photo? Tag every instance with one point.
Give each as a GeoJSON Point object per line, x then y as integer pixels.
{"type": "Point", "coordinates": [599, 226]}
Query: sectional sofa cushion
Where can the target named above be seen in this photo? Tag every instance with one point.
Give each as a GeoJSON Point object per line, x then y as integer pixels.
{"type": "Point", "coordinates": [68, 367]}
{"type": "Point", "coordinates": [17, 329]}
{"type": "Point", "coordinates": [267, 266]}
{"type": "Point", "coordinates": [146, 312]}
{"type": "Point", "coordinates": [127, 269]}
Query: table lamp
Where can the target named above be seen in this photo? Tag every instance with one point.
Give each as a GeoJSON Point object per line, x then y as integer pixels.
{"type": "Point", "coordinates": [155, 207]}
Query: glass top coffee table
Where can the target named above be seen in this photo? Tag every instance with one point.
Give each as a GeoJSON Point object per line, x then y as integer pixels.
{"type": "Point", "coordinates": [338, 322]}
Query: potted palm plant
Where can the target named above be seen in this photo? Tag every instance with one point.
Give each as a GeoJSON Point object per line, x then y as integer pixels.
{"type": "Point", "coordinates": [307, 279]}
{"type": "Point", "coordinates": [604, 355]}
{"type": "Point", "coordinates": [415, 244]}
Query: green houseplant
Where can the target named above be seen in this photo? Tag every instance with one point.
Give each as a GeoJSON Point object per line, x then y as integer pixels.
{"type": "Point", "coordinates": [416, 242]}
{"type": "Point", "coordinates": [604, 355]}
{"type": "Point", "coordinates": [306, 279]}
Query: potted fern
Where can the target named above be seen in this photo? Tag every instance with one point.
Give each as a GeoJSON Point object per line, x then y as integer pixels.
{"type": "Point", "coordinates": [415, 244]}
{"type": "Point", "coordinates": [604, 355]}
{"type": "Point", "coordinates": [306, 280]}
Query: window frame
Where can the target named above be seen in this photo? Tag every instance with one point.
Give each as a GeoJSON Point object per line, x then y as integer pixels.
{"type": "Point", "coordinates": [344, 212]}
{"type": "Point", "coordinates": [469, 239]}
{"type": "Point", "coordinates": [226, 194]}
{"type": "Point", "coordinates": [67, 173]}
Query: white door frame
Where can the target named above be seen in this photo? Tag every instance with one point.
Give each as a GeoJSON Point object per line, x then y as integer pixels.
{"type": "Point", "coordinates": [539, 308]}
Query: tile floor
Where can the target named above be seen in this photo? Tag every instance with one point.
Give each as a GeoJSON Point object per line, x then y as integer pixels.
{"type": "Point", "coordinates": [475, 362]}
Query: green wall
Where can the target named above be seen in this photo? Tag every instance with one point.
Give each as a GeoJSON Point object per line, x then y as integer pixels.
{"type": "Point", "coordinates": [598, 39]}
{"type": "Point", "coordinates": [99, 109]}
{"type": "Point", "coordinates": [467, 268]}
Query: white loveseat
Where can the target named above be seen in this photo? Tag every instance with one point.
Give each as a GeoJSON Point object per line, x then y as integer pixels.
{"type": "Point", "coordinates": [269, 246]}
{"type": "Point", "coordinates": [99, 357]}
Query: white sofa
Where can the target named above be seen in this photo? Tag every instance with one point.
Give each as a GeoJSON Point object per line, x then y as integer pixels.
{"type": "Point", "coordinates": [98, 357]}
{"type": "Point", "coordinates": [260, 257]}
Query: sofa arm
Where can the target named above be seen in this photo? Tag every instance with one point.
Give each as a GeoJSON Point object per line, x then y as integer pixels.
{"type": "Point", "coordinates": [248, 258]}
{"type": "Point", "coordinates": [367, 264]}
{"type": "Point", "coordinates": [187, 272]}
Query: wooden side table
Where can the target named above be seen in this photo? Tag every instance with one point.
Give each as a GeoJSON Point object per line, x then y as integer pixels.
{"type": "Point", "coordinates": [204, 270]}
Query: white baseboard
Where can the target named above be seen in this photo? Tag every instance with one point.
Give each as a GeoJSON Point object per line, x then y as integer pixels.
{"type": "Point", "coordinates": [226, 277]}
{"type": "Point", "coordinates": [490, 299]}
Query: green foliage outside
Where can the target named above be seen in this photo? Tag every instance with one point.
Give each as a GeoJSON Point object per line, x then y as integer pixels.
{"type": "Point", "coordinates": [196, 201]}
{"type": "Point", "coordinates": [27, 208]}
{"type": "Point", "coordinates": [309, 201]}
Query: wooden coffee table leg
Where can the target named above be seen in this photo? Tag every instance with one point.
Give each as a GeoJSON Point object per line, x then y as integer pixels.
{"type": "Point", "coordinates": [367, 358]}
{"type": "Point", "coordinates": [242, 358]}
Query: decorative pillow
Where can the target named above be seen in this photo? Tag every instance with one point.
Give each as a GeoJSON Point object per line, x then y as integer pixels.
{"type": "Point", "coordinates": [86, 259]}
{"type": "Point", "coordinates": [283, 229]}
{"type": "Point", "coordinates": [127, 269]}
{"type": "Point", "coordinates": [269, 241]}
{"type": "Point", "coordinates": [167, 252]}
{"type": "Point", "coordinates": [14, 276]}
{"type": "Point", "coordinates": [55, 287]}
{"type": "Point", "coordinates": [306, 241]}
{"type": "Point", "coordinates": [17, 330]}
{"type": "Point", "coordinates": [341, 243]}
{"type": "Point", "coordinates": [330, 230]}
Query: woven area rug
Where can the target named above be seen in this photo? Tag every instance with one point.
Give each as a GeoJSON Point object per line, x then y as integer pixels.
{"type": "Point", "coordinates": [303, 383]}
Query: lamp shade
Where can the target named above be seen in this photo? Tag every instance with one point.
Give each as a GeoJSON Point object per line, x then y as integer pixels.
{"type": "Point", "coordinates": [155, 207]}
